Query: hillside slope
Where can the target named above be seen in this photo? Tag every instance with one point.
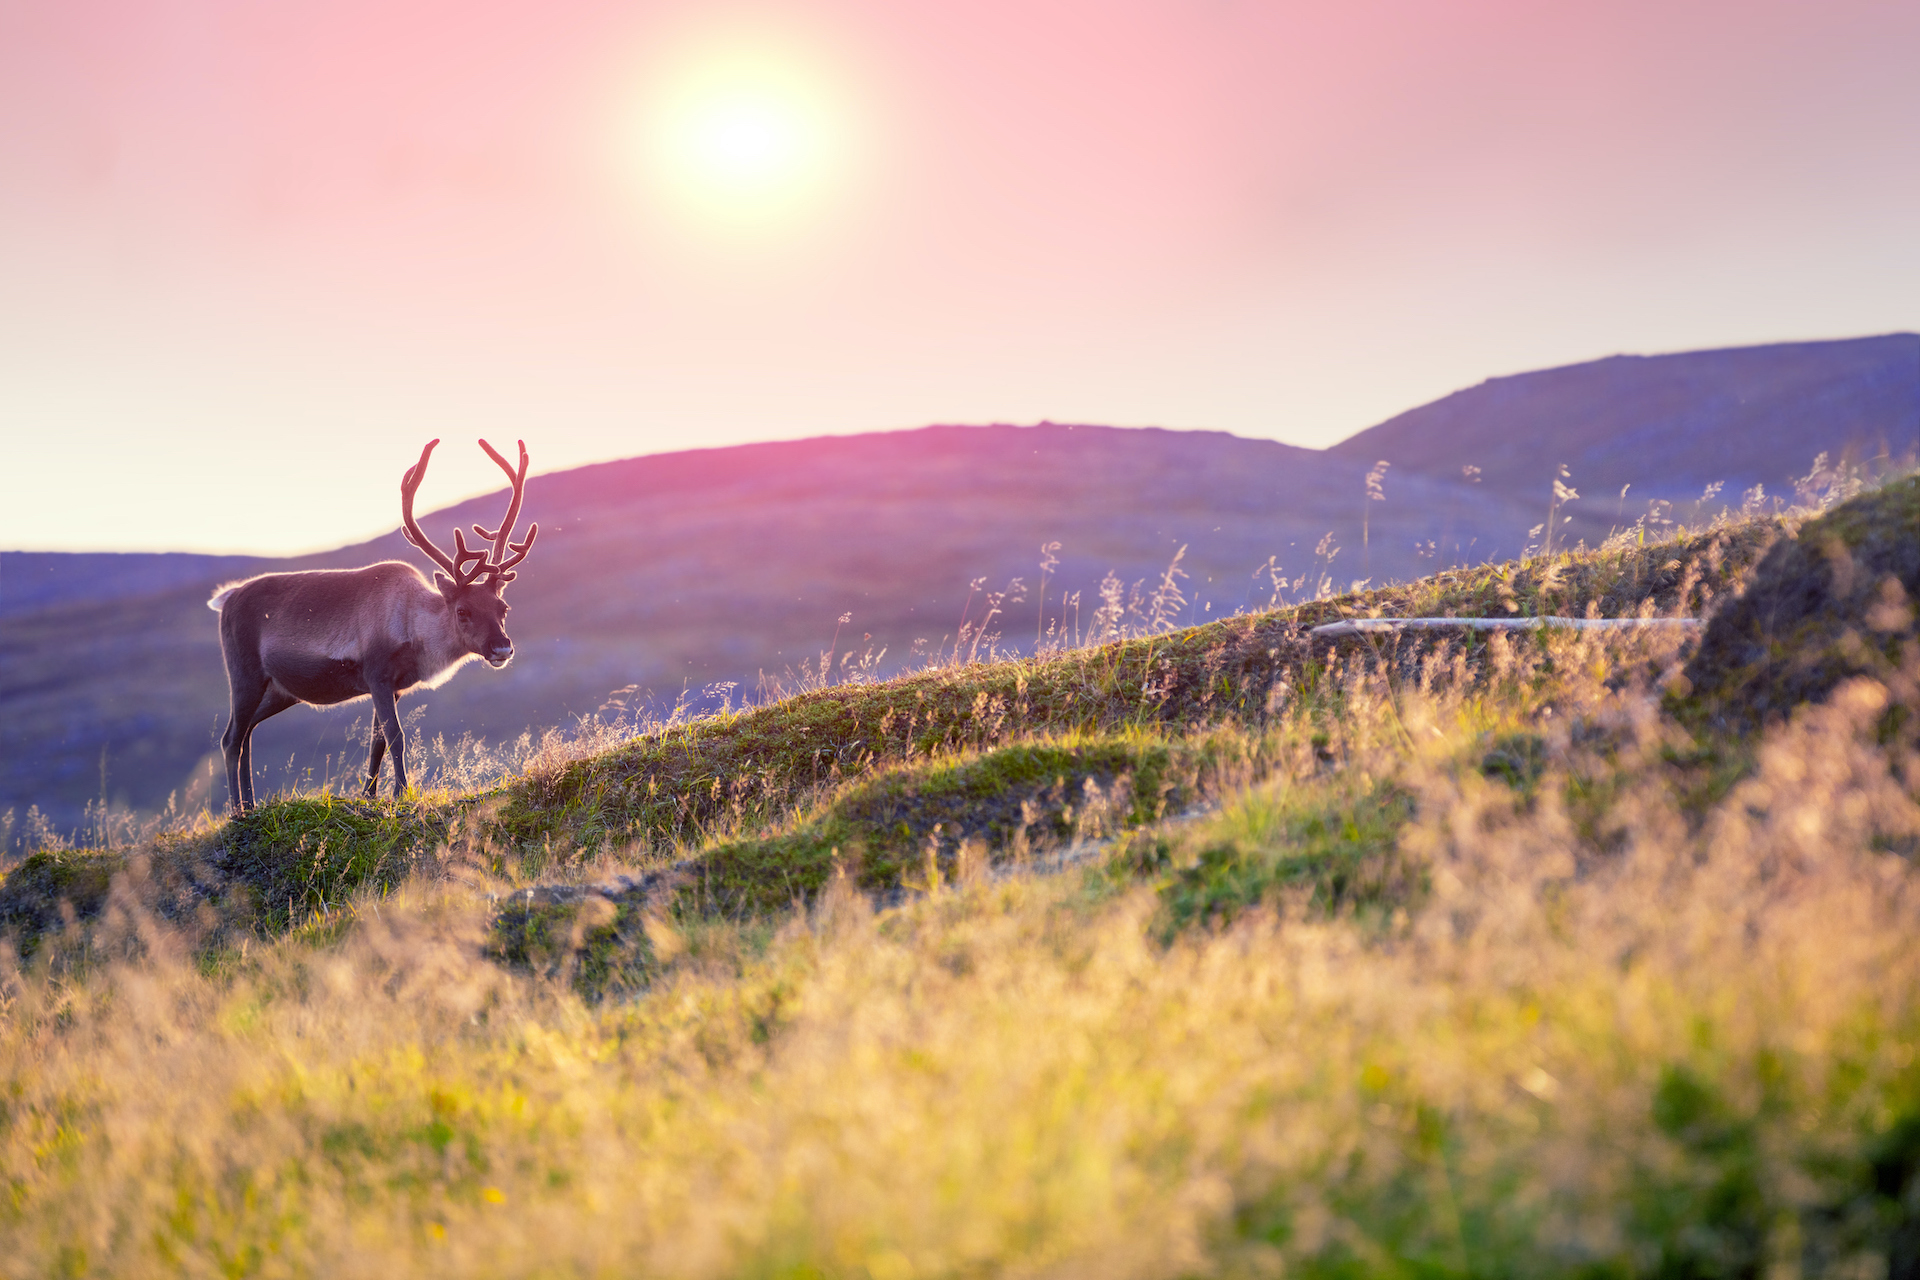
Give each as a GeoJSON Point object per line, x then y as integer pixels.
{"type": "Point", "coordinates": [892, 772]}
{"type": "Point", "coordinates": [681, 571]}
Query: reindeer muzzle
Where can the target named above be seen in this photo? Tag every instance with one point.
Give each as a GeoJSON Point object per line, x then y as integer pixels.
{"type": "Point", "coordinates": [499, 657]}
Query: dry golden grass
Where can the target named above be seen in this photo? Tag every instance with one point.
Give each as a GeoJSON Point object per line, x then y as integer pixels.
{"type": "Point", "coordinates": [1607, 1031]}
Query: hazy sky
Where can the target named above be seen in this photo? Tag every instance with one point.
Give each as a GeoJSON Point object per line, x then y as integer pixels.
{"type": "Point", "coordinates": [254, 252]}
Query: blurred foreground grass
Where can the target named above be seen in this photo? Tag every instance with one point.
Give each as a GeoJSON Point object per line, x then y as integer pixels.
{"type": "Point", "coordinates": [1477, 961]}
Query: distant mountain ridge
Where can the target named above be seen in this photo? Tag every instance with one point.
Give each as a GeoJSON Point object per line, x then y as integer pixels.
{"type": "Point", "coordinates": [1669, 425]}
{"type": "Point", "coordinates": [676, 571]}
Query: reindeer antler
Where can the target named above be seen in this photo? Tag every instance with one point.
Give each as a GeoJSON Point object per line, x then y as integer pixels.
{"type": "Point", "coordinates": [409, 485]}
{"type": "Point", "coordinates": [498, 565]}
{"type": "Point", "coordinates": [466, 566]}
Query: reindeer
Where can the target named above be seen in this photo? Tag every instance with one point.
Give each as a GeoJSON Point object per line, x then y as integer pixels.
{"type": "Point", "coordinates": [327, 636]}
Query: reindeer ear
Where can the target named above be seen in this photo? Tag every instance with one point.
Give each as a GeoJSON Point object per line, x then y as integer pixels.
{"type": "Point", "coordinates": [446, 586]}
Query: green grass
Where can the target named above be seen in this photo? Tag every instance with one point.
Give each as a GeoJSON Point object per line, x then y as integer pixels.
{"type": "Point", "coordinates": [50, 888]}
{"type": "Point", "coordinates": [917, 826]}
{"type": "Point", "coordinates": [313, 854]}
{"type": "Point", "coordinates": [597, 947]}
{"type": "Point", "coordinates": [1332, 847]}
{"type": "Point", "coordinates": [762, 799]}
{"type": "Point", "coordinates": [673, 787]}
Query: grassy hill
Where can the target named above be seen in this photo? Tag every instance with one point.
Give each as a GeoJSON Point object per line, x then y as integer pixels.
{"type": "Point", "coordinates": [1434, 955]}
{"type": "Point", "coordinates": [683, 571]}
{"type": "Point", "coordinates": [680, 572]}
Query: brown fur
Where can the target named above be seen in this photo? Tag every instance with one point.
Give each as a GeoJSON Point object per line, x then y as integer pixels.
{"type": "Point", "coordinates": [328, 636]}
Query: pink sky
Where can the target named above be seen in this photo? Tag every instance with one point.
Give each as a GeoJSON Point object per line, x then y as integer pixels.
{"type": "Point", "coordinates": [252, 255]}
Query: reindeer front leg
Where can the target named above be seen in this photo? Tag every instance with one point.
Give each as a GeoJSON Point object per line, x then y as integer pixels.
{"type": "Point", "coordinates": [387, 725]}
{"type": "Point", "coordinates": [376, 752]}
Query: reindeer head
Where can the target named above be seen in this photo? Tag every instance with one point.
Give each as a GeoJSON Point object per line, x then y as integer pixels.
{"type": "Point", "coordinates": [471, 582]}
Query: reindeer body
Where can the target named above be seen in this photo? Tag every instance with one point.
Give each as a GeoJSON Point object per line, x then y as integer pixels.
{"type": "Point", "coordinates": [328, 636]}
{"type": "Point", "coordinates": [342, 633]}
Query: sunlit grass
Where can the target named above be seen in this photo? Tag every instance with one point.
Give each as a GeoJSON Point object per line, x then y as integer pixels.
{"type": "Point", "coordinates": [1689, 1051]}
{"type": "Point", "coordinates": [1461, 968]}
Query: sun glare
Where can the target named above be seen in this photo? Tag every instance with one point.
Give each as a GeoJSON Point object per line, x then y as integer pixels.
{"type": "Point", "coordinates": [744, 139]}
{"type": "Point", "coordinates": [746, 146]}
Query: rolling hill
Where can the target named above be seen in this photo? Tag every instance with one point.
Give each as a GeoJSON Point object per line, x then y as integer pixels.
{"type": "Point", "coordinates": [1668, 425]}
{"type": "Point", "coordinates": [683, 572]}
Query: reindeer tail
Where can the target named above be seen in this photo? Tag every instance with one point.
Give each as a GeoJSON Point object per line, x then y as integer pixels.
{"type": "Point", "coordinates": [220, 597]}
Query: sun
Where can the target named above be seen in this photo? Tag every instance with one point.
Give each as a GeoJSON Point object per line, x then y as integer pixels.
{"type": "Point", "coordinates": [746, 144]}
{"type": "Point", "coordinates": [743, 137]}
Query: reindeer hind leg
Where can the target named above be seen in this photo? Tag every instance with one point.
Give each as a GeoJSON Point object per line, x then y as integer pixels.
{"type": "Point", "coordinates": [247, 686]}
{"type": "Point", "coordinates": [233, 747]}
{"type": "Point", "coordinates": [272, 703]}
{"type": "Point", "coordinates": [250, 691]}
